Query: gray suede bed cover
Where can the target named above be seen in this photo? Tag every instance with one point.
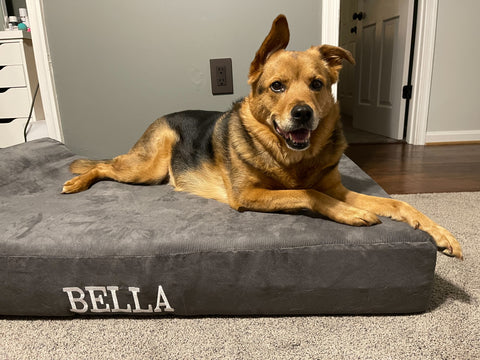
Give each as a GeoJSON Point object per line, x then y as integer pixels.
{"type": "Point", "coordinates": [148, 250]}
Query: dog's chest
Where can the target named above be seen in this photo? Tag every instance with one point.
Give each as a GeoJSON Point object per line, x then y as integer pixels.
{"type": "Point", "coordinates": [299, 176]}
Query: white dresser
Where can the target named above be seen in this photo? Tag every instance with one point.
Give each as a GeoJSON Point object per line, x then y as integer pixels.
{"type": "Point", "coordinates": [18, 81]}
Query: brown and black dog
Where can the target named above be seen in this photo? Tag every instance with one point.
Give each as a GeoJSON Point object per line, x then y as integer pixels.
{"type": "Point", "coordinates": [278, 149]}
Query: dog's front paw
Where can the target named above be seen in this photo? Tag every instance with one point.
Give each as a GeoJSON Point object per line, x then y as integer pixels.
{"type": "Point", "coordinates": [445, 241]}
{"type": "Point", "coordinates": [75, 185]}
{"type": "Point", "coordinates": [357, 217]}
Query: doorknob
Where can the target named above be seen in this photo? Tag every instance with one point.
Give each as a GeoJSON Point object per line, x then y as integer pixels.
{"type": "Point", "coordinates": [358, 16]}
{"type": "Point", "coordinates": [353, 30]}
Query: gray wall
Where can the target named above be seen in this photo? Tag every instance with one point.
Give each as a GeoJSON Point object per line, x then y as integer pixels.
{"type": "Point", "coordinates": [455, 91]}
{"type": "Point", "coordinates": [118, 65]}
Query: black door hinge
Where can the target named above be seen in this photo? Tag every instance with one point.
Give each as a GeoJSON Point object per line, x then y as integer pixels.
{"type": "Point", "coordinates": [407, 92]}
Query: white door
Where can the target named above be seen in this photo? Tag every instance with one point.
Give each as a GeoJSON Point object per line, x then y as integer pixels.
{"type": "Point", "coordinates": [382, 56]}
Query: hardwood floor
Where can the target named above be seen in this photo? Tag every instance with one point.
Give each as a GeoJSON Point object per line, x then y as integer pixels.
{"type": "Point", "coordinates": [410, 169]}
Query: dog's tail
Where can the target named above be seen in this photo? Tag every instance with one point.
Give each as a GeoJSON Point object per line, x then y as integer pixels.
{"type": "Point", "coordinates": [81, 166]}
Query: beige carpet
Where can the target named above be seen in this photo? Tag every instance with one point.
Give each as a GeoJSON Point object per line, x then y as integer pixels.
{"type": "Point", "coordinates": [449, 330]}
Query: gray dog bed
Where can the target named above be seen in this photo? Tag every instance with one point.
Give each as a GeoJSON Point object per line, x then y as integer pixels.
{"type": "Point", "coordinates": [129, 250]}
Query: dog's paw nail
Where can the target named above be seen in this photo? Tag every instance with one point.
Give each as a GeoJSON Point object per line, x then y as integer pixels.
{"type": "Point", "coordinates": [452, 253]}
{"type": "Point", "coordinates": [448, 252]}
{"type": "Point", "coordinates": [370, 220]}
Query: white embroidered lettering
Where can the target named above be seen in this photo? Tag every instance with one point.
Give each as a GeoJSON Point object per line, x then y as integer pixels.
{"type": "Point", "coordinates": [138, 309]}
{"type": "Point", "coordinates": [116, 309]}
{"type": "Point", "coordinates": [161, 295]}
{"type": "Point", "coordinates": [75, 300]}
{"type": "Point", "coordinates": [97, 300]}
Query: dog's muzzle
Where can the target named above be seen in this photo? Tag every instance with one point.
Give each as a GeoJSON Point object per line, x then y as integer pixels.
{"type": "Point", "coordinates": [298, 136]}
{"type": "Point", "coordinates": [302, 114]}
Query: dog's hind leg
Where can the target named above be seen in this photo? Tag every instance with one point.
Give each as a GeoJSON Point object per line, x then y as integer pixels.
{"type": "Point", "coordinates": [81, 166]}
{"type": "Point", "coordinates": [148, 162]}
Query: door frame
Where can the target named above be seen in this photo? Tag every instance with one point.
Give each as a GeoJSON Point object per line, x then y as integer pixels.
{"type": "Point", "coordinates": [422, 61]}
{"type": "Point", "coordinates": [44, 69]}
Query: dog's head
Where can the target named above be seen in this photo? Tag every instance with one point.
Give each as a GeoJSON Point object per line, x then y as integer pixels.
{"type": "Point", "coordinates": [291, 91]}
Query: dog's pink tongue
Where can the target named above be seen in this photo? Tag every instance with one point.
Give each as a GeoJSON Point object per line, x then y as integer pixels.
{"type": "Point", "coordinates": [301, 135]}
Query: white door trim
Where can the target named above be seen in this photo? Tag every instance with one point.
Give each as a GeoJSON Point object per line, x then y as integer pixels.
{"type": "Point", "coordinates": [44, 69]}
{"type": "Point", "coordinates": [422, 71]}
{"type": "Point", "coordinates": [422, 60]}
{"type": "Point", "coordinates": [330, 20]}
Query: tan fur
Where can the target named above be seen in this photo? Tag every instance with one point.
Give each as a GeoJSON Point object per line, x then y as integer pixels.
{"type": "Point", "coordinates": [269, 160]}
{"type": "Point", "coordinates": [207, 182]}
{"type": "Point", "coordinates": [148, 162]}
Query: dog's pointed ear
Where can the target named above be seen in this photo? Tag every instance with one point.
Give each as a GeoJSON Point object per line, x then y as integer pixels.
{"type": "Point", "coordinates": [334, 56]}
{"type": "Point", "coordinates": [277, 39]}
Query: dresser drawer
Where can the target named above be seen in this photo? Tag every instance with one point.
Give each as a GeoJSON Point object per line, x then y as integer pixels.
{"type": "Point", "coordinates": [12, 76]}
{"type": "Point", "coordinates": [14, 102]}
{"type": "Point", "coordinates": [10, 53]}
{"type": "Point", "coordinates": [12, 133]}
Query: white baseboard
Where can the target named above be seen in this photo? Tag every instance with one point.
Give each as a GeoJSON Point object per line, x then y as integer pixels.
{"type": "Point", "coordinates": [452, 136]}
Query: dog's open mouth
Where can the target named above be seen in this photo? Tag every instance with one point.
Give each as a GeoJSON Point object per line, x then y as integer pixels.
{"type": "Point", "coordinates": [298, 139]}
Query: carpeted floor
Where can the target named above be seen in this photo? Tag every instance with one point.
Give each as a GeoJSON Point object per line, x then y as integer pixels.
{"type": "Point", "coordinates": [449, 330]}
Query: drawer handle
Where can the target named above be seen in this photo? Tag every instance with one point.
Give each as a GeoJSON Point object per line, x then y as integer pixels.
{"type": "Point", "coordinates": [1, 67]}
{"type": "Point", "coordinates": [2, 90]}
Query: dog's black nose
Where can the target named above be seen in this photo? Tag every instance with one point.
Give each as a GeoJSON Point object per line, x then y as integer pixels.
{"type": "Point", "coordinates": [302, 113]}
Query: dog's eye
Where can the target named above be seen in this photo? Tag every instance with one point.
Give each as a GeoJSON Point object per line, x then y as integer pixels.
{"type": "Point", "coordinates": [277, 87]}
{"type": "Point", "coordinates": [316, 85]}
